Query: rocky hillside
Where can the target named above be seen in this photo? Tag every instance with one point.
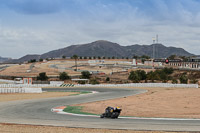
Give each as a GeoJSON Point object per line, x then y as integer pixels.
{"type": "Point", "coordinates": [109, 49]}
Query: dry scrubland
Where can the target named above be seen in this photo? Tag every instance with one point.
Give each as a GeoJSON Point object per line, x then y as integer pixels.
{"type": "Point", "coordinates": [61, 65]}
{"type": "Point", "coordinates": [157, 102]}
{"type": "Point", "coordinates": [12, 128]}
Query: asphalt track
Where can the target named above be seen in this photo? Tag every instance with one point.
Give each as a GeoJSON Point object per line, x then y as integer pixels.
{"type": "Point", "coordinates": [38, 112]}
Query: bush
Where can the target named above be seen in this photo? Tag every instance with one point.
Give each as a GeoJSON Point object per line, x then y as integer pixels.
{"type": "Point", "coordinates": [168, 70]}
{"type": "Point", "coordinates": [174, 81]}
{"type": "Point", "coordinates": [137, 76]}
{"type": "Point", "coordinates": [42, 76]}
{"type": "Point", "coordinates": [183, 79]}
{"type": "Point", "coordinates": [194, 81]}
{"type": "Point", "coordinates": [94, 81]}
{"type": "Point", "coordinates": [63, 76]}
{"type": "Point", "coordinates": [107, 79]}
{"type": "Point", "coordinates": [85, 75]}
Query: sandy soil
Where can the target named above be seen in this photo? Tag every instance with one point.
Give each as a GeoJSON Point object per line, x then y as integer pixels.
{"type": "Point", "coordinates": [16, 96]}
{"type": "Point", "coordinates": [158, 102]}
{"type": "Point", "coordinates": [10, 128]}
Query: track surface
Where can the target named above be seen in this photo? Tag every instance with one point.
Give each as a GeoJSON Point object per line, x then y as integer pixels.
{"type": "Point", "coordinates": [38, 112]}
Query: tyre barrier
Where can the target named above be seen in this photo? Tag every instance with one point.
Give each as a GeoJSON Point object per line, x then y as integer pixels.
{"type": "Point", "coordinates": [67, 85]}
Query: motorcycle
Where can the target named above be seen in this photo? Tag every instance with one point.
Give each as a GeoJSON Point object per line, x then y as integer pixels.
{"type": "Point", "coordinates": [111, 112]}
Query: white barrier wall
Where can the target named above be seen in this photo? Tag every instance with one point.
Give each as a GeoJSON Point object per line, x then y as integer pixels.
{"type": "Point", "coordinates": [11, 81]}
{"type": "Point", "coordinates": [28, 85]}
{"type": "Point", "coordinates": [20, 90]}
{"type": "Point", "coordinates": [56, 82]}
{"type": "Point", "coordinates": [142, 85]}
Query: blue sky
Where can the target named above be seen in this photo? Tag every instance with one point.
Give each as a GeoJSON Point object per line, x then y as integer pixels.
{"type": "Point", "coordinates": [38, 26]}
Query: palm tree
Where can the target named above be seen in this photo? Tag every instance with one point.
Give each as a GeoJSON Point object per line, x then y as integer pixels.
{"type": "Point", "coordinates": [75, 57]}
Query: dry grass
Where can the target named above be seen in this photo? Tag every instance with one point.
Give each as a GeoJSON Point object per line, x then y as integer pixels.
{"type": "Point", "coordinates": [21, 70]}
{"type": "Point", "coordinates": [12, 128]}
{"type": "Point", "coordinates": [158, 102]}
{"type": "Point", "coordinates": [23, 96]}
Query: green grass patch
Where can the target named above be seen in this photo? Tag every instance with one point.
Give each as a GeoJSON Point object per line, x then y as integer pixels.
{"type": "Point", "coordinates": [76, 110]}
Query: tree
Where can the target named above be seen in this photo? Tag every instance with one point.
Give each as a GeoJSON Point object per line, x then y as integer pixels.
{"type": "Point", "coordinates": [107, 79]}
{"type": "Point", "coordinates": [163, 76]}
{"type": "Point", "coordinates": [183, 79]}
{"type": "Point", "coordinates": [41, 60]}
{"type": "Point", "coordinates": [113, 57]}
{"type": "Point", "coordinates": [137, 76]}
{"type": "Point", "coordinates": [135, 57]}
{"type": "Point", "coordinates": [63, 57]}
{"type": "Point", "coordinates": [99, 57]}
{"type": "Point", "coordinates": [42, 76]}
{"type": "Point", "coordinates": [134, 77]}
{"type": "Point", "coordinates": [85, 75]}
{"type": "Point", "coordinates": [94, 57]}
{"type": "Point", "coordinates": [145, 57]}
{"type": "Point", "coordinates": [63, 76]}
{"type": "Point", "coordinates": [75, 57]}
{"type": "Point", "coordinates": [32, 61]}
{"type": "Point", "coordinates": [172, 57]}
{"type": "Point", "coordinates": [152, 76]}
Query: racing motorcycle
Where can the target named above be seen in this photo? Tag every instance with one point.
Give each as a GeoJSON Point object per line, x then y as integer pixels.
{"type": "Point", "coordinates": [111, 112]}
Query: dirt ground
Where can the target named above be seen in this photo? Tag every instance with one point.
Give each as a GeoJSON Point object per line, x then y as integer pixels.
{"type": "Point", "coordinates": [157, 102]}
{"type": "Point", "coordinates": [12, 128]}
{"type": "Point", "coordinates": [23, 96]}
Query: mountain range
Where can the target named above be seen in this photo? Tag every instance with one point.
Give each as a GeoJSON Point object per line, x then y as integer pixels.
{"type": "Point", "coordinates": [3, 59]}
{"type": "Point", "coordinates": [109, 49]}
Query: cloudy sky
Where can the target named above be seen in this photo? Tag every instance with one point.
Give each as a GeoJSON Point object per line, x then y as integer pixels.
{"type": "Point", "coordinates": [38, 26]}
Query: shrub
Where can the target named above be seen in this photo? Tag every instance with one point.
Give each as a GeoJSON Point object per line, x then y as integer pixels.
{"type": "Point", "coordinates": [85, 75]}
{"type": "Point", "coordinates": [42, 76]}
{"type": "Point", "coordinates": [94, 81]}
{"type": "Point", "coordinates": [183, 79]}
{"type": "Point", "coordinates": [63, 76]}
{"type": "Point", "coordinates": [107, 79]}
{"type": "Point", "coordinates": [194, 81]}
{"type": "Point", "coordinates": [174, 81]}
{"type": "Point", "coordinates": [137, 76]}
